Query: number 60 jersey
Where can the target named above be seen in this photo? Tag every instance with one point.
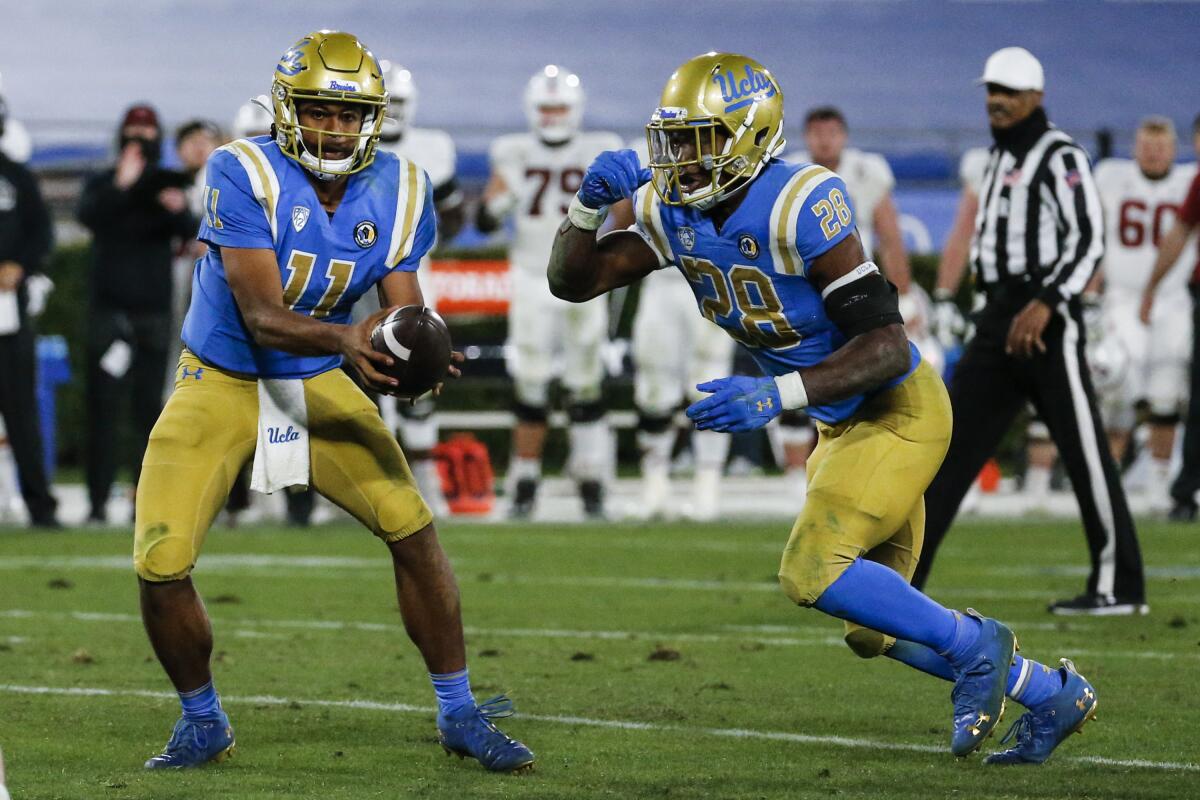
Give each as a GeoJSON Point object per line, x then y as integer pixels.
{"type": "Point", "coordinates": [751, 277]}
{"type": "Point", "coordinates": [255, 197]}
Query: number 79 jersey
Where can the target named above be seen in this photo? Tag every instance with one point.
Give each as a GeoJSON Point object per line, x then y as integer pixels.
{"type": "Point", "coordinates": [541, 180]}
{"type": "Point", "coordinates": [255, 197]}
{"type": "Point", "coordinates": [750, 277]}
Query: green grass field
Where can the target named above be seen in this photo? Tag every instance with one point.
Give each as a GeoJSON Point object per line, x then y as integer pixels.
{"type": "Point", "coordinates": [645, 661]}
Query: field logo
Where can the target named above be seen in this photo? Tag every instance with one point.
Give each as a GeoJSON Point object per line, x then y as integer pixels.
{"type": "Point", "coordinates": [738, 93]}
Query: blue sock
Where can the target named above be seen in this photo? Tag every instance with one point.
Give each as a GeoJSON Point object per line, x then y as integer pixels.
{"type": "Point", "coordinates": [877, 597]}
{"type": "Point", "coordinates": [453, 690]}
{"type": "Point", "coordinates": [202, 703]}
{"type": "Point", "coordinates": [1029, 683]}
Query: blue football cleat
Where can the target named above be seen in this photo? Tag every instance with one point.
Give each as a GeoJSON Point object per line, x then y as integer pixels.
{"type": "Point", "coordinates": [979, 685]}
{"type": "Point", "coordinates": [1043, 728]}
{"type": "Point", "coordinates": [195, 742]}
{"type": "Point", "coordinates": [470, 731]}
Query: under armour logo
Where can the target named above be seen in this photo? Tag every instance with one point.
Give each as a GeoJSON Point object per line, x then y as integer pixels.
{"type": "Point", "coordinates": [196, 373]}
{"type": "Point", "coordinates": [765, 404]}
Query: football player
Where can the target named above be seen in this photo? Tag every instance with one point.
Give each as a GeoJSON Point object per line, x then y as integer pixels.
{"type": "Point", "coordinates": [770, 252]}
{"type": "Point", "coordinates": [299, 226]}
{"type": "Point", "coordinates": [1141, 199]}
{"type": "Point", "coordinates": [433, 151]}
{"type": "Point", "coordinates": [533, 177]}
{"type": "Point", "coordinates": [870, 181]}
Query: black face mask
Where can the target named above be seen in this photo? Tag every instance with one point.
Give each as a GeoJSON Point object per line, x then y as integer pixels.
{"type": "Point", "coordinates": [151, 148]}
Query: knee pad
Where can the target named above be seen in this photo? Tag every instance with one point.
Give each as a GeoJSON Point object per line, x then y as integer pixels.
{"type": "Point", "coordinates": [580, 413]}
{"type": "Point", "coordinates": [159, 556]}
{"type": "Point", "coordinates": [1157, 418]}
{"type": "Point", "coordinates": [399, 512]}
{"type": "Point", "coordinates": [422, 409]}
{"type": "Point", "coordinates": [535, 393]}
{"type": "Point", "coordinates": [867, 643]}
{"type": "Point", "coordinates": [652, 424]}
{"type": "Point", "coordinates": [419, 433]}
{"type": "Point", "coordinates": [525, 412]}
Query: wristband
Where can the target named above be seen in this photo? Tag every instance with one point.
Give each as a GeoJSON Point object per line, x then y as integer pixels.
{"type": "Point", "coordinates": [792, 394]}
{"type": "Point", "coordinates": [584, 218]}
{"type": "Point", "coordinates": [941, 295]}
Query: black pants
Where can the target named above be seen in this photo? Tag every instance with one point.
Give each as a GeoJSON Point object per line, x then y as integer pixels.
{"type": "Point", "coordinates": [1184, 489]}
{"type": "Point", "coordinates": [989, 389]}
{"type": "Point", "coordinates": [18, 406]}
{"type": "Point", "coordinates": [149, 337]}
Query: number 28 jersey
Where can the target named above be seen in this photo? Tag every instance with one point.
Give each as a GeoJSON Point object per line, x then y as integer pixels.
{"type": "Point", "coordinates": [255, 197]}
{"type": "Point", "coordinates": [750, 278]}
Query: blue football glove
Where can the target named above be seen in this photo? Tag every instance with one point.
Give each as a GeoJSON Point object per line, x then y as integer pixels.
{"type": "Point", "coordinates": [614, 175]}
{"type": "Point", "coordinates": [739, 403]}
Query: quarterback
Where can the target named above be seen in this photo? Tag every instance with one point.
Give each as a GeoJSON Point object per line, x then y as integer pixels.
{"type": "Point", "coordinates": [770, 252]}
{"type": "Point", "coordinates": [299, 225]}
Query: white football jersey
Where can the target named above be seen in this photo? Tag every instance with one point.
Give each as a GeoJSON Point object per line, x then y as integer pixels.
{"type": "Point", "coordinates": [430, 149]}
{"type": "Point", "coordinates": [1138, 212]}
{"type": "Point", "coordinates": [971, 167]}
{"type": "Point", "coordinates": [542, 180]}
{"type": "Point", "coordinates": [869, 179]}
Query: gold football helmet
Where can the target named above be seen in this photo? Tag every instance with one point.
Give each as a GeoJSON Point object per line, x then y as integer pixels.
{"type": "Point", "coordinates": [720, 113]}
{"type": "Point", "coordinates": [334, 67]}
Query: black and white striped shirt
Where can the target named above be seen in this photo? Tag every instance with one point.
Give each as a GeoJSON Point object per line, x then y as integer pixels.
{"type": "Point", "coordinates": [1039, 217]}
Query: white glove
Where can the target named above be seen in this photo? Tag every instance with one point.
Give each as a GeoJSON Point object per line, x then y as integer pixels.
{"type": "Point", "coordinates": [947, 323]}
{"type": "Point", "coordinates": [37, 288]}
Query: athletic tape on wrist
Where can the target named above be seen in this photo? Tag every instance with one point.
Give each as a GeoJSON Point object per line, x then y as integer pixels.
{"type": "Point", "coordinates": [584, 218]}
{"type": "Point", "coordinates": [792, 393]}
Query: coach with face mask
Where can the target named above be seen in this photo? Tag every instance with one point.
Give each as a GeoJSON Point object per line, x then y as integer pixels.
{"type": "Point", "coordinates": [138, 215]}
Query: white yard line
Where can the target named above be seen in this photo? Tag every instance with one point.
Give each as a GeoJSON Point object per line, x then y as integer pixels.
{"type": "Point", "coordinates": [629, 725]}
{"type": "Point", "coordinates": [764, 635]}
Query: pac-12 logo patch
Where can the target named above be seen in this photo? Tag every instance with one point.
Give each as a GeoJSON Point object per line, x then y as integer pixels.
{"type": "Point", "coordinates": [299, 217]}
{"type": "Point", "coordinates": [687, 238]}
{"type": "Point", "coordinates": [748, 245]}
{"type": "Point", "coordinates": [365, 234]}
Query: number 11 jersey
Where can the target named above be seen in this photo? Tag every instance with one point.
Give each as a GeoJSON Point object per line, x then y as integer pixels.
{"type": "Point", "coordinates": [751, 276]}
{"type": "Point", "coordinates": [256, 197]}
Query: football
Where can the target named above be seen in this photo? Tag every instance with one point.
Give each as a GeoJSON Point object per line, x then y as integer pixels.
{"type": "Point", "coordinates": [418, 339]}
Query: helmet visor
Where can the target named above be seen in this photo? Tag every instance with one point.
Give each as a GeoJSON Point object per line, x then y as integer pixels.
{"type": "Point", "coordinates": [688, 158]}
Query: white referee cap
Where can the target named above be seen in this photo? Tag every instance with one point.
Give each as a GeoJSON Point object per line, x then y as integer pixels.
{"type": "Point", "coordinates": [1015, 68]}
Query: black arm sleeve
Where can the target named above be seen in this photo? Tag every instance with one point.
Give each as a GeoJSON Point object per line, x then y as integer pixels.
{"type": "Point", "coordinates": [863, 304]}
{"type": "Point", "coordinates": [38, 238]}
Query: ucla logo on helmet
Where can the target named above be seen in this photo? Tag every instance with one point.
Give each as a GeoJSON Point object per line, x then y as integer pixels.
{"type": "Point", "coordinates": [687, 238]}
{"type": "Point", "coordinates": [748, 245]}
{"type": "Point", "coordinates": [365, 234]}
{"type": "Point", "coordinates": [344, 86]}
{"type": "Point", "coordinates": [739, 93]}
{"type": "Point", "coordinates": [291, 63]}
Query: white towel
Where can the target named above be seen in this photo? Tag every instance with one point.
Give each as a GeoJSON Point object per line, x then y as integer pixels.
{"type": "Point", "coordinates": [281, 458]}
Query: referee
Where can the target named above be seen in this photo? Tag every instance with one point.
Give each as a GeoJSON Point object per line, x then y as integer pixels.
{"type": "Point", "coordinates": [1038, 237]}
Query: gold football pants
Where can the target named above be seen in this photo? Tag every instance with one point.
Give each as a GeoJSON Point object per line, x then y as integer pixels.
{"type": "Point", "coordinates": [207, 432]}
{"type": "Point", "coordinates": [866, 484]}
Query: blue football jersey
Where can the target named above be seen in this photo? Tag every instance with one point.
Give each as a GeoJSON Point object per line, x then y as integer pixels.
{"type": "Point", "coordinates": [256, 197]}
{"type": "Point", "coordinates": [750, 278]}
